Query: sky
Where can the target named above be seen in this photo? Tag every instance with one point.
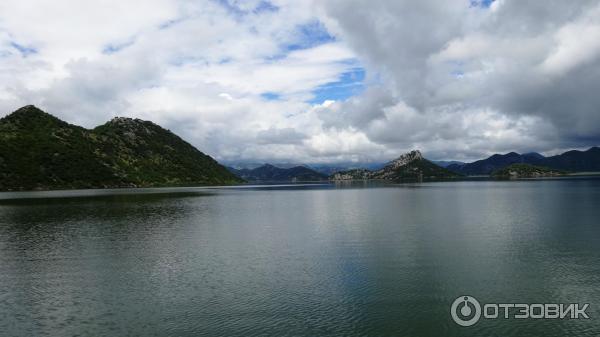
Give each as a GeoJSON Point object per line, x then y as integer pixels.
{"type": "Point", "coordinates": [325, 81]}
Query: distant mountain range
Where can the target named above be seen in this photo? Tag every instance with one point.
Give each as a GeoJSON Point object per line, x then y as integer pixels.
{"type": "Point", "coordinates": [323, 168]}
{"type": "Point", "coordinates": [39, 151]}
{"type": "Point", "coordinates": [408, 167]}
{"type": "Point", "coordinates": [413, 166]}
{"type": "Point", "coordinates": [271, 173]}
{"type": "Point", "coordinates": [329, 169]}
{"type": "Point", "coordinates": [573, 161]}
{"type": "Point", "coordinates": [446, 163]}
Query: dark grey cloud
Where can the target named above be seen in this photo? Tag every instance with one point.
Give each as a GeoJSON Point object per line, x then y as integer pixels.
{"type": "Point", "coordinates": [520, 73]}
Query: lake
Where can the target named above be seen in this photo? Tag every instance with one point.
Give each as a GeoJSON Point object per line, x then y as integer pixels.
{"type": "Point", "coordinates": [298, 260]}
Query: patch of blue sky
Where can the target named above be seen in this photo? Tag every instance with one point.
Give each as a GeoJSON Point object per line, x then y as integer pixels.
{"type": "Point", "coordinates": [24, 50]}
{"type": "Point", "coordinates": [458, 74]}
{"type": "Point", "coordinates": [457, 67]}
{"type": "Point", "coordinates": [276, 57]}
{"type": "Point", "coordinates": [309, 35]}
{"type": "Point", "coordinates": [270, 96]}
{"type": "Point", "coordinates": [481, 3]}
{"type": "Point", "coordinates": [350, 83]}
{"type": "Point", "coordinates": [233, 9]}
{"type": "Point", "coordinates": [265, 6]}
{"type": "Point", "coordinates": [225, 60]}
{"type": "Point", "coordinates": [116, 47]}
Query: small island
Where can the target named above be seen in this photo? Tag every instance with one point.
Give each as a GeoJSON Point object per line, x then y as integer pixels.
{"type": "Point", "coordinates": [520, 170]}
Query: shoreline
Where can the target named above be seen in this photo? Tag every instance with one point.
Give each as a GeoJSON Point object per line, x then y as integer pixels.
{"type": "Point", "coordinates": [99, 192]}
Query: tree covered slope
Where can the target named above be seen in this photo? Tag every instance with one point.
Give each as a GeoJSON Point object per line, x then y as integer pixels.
{"type": "Point", "coordinates": [39, 151]}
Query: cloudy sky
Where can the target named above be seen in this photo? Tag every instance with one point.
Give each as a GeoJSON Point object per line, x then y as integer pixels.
{"type": "Point", "coordinates": [315, 81]}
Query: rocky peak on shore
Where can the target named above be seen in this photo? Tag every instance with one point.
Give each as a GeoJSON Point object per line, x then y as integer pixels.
{"type": "Point", "coordinates": [409, 166]}
{"type": "Point", "coordinates": [405, 159]}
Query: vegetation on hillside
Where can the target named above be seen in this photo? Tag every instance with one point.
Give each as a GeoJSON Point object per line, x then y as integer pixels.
{"type": "Point", "coordinates": [526, 171]}
{"type": "Point", "coordinates": [39, 151]}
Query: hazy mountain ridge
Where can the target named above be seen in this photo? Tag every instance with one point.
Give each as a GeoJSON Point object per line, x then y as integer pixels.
{"type": "Point", "coordinates": [271, 173]}
{"type": "Point", "coordinates": [39, 151]}
{"type": "Point", "coordinates": [574, 161]}
{"type": "Point", "coordinates": [446, 163]}
{"type": "Point", "coordinates": [323, 168]}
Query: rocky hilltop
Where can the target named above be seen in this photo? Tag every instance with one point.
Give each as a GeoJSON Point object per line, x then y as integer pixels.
{"type": "Point", "coordinates": [408, 167]}
{"type": "Point", "coordinates": [39, 151]}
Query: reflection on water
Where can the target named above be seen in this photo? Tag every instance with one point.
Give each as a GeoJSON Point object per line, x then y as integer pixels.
{"type": "Point", "coordinates": [297, 260]}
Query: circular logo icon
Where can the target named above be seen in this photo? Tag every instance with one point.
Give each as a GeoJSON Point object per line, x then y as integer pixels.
{"type": "Point", "coordinates": [465, 310]}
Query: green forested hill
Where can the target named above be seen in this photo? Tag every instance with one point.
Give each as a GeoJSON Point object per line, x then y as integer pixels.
{"type": "Point", "coordinates": [526, 171]}
{"type": "Point", "coordinates": [39, 151]}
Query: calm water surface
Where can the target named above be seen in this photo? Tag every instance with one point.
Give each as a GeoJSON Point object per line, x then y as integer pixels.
{"type": "Point", "coordinates": [298, 261]}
